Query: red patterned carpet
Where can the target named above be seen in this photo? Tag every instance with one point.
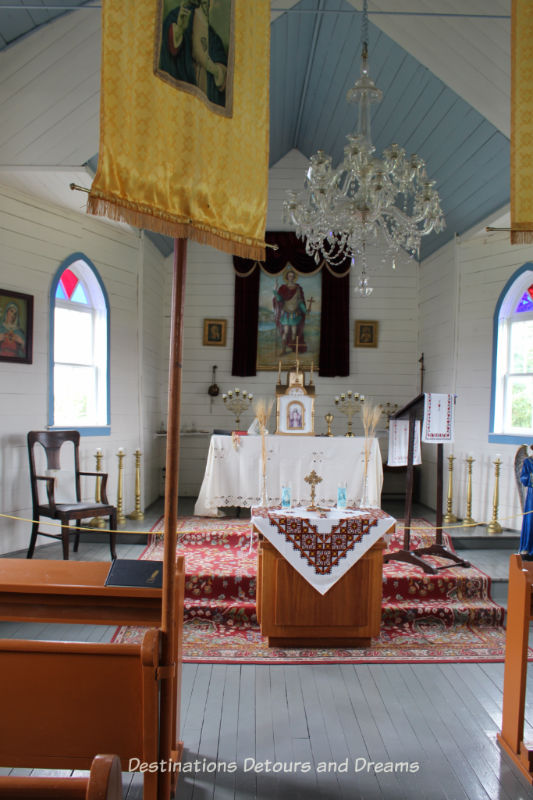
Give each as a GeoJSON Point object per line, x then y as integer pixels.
{"type": "Point", "coordinates": [425, 618]}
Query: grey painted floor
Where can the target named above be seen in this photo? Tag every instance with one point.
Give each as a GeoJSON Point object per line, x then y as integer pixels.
{"type": "Point", "coordinates": [411, 731]}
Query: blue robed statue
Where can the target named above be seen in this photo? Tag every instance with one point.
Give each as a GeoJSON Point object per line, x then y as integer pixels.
{"type": "Point", "coordinates": [526, 539]}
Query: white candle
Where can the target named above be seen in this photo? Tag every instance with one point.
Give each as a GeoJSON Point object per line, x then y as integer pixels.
{"type": "Point", "coordinates": [120, 451]}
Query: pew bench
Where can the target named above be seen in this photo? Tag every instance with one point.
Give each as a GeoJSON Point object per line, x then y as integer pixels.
{"type": "Point", "coordinates": [103, 783]}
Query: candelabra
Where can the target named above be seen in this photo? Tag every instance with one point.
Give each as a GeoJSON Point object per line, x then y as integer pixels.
{"type": "Point", "coordinates": [237, 402]}
{"type": "Point", "coordinates": [468, 517]}
{"type": "Point", "coordinates": [121, 519]}
{"type": "Point", "coordinates": [494, 526]}
{"type": "Point", "coordinates": [449, 516]}
{"type": "Point", "coordinates": [349, 404]}
{"type": "Point", "coordinates": [329, 420]}
{"type": "Point", "coordinates": [137, 513]}
{"type": "Point", "coordinates": [98, 522]}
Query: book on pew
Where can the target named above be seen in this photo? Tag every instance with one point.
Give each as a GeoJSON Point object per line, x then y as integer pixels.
{"type": "Point", "coordinates": [130, 572]}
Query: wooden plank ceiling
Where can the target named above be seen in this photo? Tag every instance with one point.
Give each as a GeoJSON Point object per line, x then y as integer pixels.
{"type": "Point", "coordinates": [444, 74]}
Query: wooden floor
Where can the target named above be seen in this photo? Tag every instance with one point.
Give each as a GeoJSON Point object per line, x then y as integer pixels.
{"type": "Point", "coordinates": [335, 731]}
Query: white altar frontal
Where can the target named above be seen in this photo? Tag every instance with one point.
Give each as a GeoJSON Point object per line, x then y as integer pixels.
{"type": "Point", "coordinates": [233, 471]}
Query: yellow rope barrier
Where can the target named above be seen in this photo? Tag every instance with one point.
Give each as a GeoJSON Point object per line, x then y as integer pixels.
{"type": "Point", "coordinates": [425, 528]}
{"type": "Point", "coordinates": [46, 521]}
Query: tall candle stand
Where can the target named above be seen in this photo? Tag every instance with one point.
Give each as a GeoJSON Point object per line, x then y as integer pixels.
{"type": "Point", "coordinates": [237, 402]}
{"type": "Point", "coordinates": [349, 404]}
{"type": "Point", "coordinates": [98, 522]}
{"type": "Point", "coordinates": [467, 519]}
{"type": "Point", "coordinates": [137, 513]}
{"type": "Point", "coordinates": [121, 519]}
{"type": "Point", "coordinates": [449, 516]}
{"type": "Point", "coordinates": [494, 526]}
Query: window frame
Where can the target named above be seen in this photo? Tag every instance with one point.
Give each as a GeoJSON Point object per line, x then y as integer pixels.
{"type": "Point", "coordinates": [70, 262]}
{"type": "Point", "coordinates": [510, 296]}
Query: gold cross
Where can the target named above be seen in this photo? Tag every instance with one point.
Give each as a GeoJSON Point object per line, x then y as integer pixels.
{"type": "Point", "coordinates": [312, 479]}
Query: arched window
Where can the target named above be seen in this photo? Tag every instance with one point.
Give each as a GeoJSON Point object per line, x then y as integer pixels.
{"type": "Point", "coordinates": [512, 370]}
{"type": "Point", "coordinates": [79, 349]}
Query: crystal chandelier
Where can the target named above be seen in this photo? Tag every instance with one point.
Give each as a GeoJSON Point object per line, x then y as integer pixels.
{"type": "Point", "coordinates": [366, 200]}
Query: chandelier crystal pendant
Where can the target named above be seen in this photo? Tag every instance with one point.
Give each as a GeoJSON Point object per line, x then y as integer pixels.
{"type": "Point", "coordinates": [367, 200]}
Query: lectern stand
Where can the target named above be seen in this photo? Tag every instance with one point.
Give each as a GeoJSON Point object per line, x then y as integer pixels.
{"type": "Point", "coordinates": [415, 411]}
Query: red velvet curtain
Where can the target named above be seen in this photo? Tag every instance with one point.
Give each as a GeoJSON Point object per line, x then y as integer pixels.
{"type": "Point", "coordinates": [335, 318]}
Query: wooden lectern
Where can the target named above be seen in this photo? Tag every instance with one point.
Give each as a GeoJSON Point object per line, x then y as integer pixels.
{"type": "Point", "coordinates": [415, 411]}
{"type": "Point", "coordinates": [519, 615]}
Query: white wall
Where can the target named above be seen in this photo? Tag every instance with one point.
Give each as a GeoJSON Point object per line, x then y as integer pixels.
{"type": "Point", "coordinates": [388, 373]}
{"type": "Point", "coordinates": [459, 288]}
{"type": "Point", "coordinates": [35, 238]}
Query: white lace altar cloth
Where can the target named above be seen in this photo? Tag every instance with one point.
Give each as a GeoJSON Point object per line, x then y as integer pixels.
{"type": "Point", "coordinates": [321, 546]}
{"type": "Point", "coordinates": [233, 476]}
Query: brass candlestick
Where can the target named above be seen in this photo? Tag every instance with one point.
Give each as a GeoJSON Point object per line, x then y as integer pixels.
{"type": "Point", "coordinates": [121, 519]}
{"type": "Point", "coordinates": [468, 517]}
{"type": "Point", "coordinates": [238, 402]}
{"type": "Point", "coordinates": [98, 522]}
{"type": "Point", "coordinates": [329, 420]}
{"type": "Point", "coordinates": [494, 526]}
{"type": "Point", "coordinates": [137, 513]}
{"type": "Point", "coordinates": [449, 516]}
{"type": "Point", "coordinates": [349, 404]}
{"type": "Point", "coordinates": [312, 479]}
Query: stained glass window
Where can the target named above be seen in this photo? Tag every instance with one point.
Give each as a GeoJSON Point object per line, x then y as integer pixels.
{"type": "Point", "coordinates": [79, 368]}
{"type": "Point", "coordinates": [70, 288]}
{"type": "Point", "coordinates": [526, 301]}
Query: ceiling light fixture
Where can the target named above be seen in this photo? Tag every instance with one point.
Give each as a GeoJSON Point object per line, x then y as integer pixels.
{"type": "Point", "coordinates": [342, 211]}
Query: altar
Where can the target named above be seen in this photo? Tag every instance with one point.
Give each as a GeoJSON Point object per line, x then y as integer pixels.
{"type": "Point", "coordinates": [319, 575]}
{"type": "Point", "coordinates": [233, 471]}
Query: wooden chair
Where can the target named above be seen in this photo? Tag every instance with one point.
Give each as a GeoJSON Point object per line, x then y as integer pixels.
{"type": "Point", "coordinates": [52, 442]}
{"type": "Point", "coordinates": [103, 783]}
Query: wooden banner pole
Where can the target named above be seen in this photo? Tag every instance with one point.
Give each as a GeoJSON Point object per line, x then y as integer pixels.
{"type": "Point", "coordinates": [169, 623]}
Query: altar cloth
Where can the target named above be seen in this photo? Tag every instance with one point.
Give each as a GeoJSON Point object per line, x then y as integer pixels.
{"type": "Point", "coordinates": [233, 471]}
{"type": "Point", "coordinates": [321, 546]}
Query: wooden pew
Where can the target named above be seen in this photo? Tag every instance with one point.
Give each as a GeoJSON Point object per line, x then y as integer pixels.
{"type": "Point", "coordinates": [103, 783]}
{"type": "Point", "coordinates": [68, 700]}
{"type": "Point", "coordinates": [519, 615]}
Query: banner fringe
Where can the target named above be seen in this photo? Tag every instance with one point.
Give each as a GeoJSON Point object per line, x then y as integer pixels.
{"type": "Point", "coordinates": [522, 237]}
{"type": "Point", "coordinates": [166, 224]}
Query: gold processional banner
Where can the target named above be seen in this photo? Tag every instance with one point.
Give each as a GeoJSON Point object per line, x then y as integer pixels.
{"type": "Point", "coordinates": [522, 122]}
{"type": "Point", "coordinates": [184, 120]}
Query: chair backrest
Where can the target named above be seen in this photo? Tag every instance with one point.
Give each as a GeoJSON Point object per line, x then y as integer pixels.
{"type": "Point", "coordinates": [52, 442]}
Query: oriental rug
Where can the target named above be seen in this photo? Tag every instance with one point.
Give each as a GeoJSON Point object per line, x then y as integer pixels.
{"type": "Point", "coordinates": [447, 617]}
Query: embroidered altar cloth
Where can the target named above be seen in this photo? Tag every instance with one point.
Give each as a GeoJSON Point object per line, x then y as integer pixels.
{"type": "Point", "coordinates": [321, 546]}
{"type": "Point", "coordinates": [439, 417]}
{"type": "Point", "coordinates": [233, 472]}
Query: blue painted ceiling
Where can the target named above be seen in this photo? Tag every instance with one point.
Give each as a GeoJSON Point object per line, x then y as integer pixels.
{"type": "Point", "coordinates": [315, 59]}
